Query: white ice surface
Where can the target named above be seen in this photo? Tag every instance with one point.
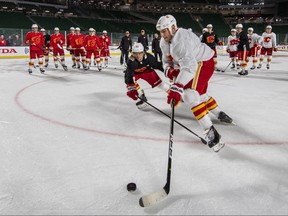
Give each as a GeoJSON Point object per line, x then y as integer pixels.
{"type": "Point", "coordinates": [71, 141]}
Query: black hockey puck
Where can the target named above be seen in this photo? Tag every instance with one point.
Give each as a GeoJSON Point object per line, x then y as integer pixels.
{"type": "Point", "coordinates": [131, 186]}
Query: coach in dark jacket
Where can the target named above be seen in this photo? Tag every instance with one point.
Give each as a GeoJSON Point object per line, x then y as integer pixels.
{"type": "Point", "coordinates": [242, 49]}
{"type": "Point", "coordinates": [143, 40]}
{"type": "Point", "coordinates": [125, 47]}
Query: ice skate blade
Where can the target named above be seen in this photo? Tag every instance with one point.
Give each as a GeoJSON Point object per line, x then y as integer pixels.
{"type": "Point", "coordinates": [219, 146]}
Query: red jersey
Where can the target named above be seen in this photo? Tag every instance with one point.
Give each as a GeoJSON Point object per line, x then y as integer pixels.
{"type": "Point", "coordinates": [78, 41]}
{"type": "Point", "coordinates": [35, 40]}
{"type": "Point", "coordinates": [2, 42]}
{"type": "Point", "coordinates": [92, 42]}
{"type": "Point", "coordinates": [105, 41]}
{"type": "Point", "coordinates": [57, 39]}
{"type": "Point", "coordinates": [69, 39]}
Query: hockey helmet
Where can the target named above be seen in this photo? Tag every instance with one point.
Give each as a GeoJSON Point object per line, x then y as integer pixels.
{"type": "Point", "coordinates": [250, 29]}
{"type": "Point", "coordinates": [239, 26]}
{"type": "Point", "coordinates": [166, 21]}
{"type": "Point", "coordinates": [204, 30]}
{"type": "Point", "coordinates": [72, 28]}
{"type": "Point", "coordinates": [269, 27]}
{"type": "Point", "coordinates": [42, 30]}
{"type": "Point", "coordinates": [137, 48]}
{"type": "Point", "coordinates": [209, 26]}
{"type": "Point", "coordinates": [77, 29]}
{"type": "Point", "coordinates": [56, 29]}
{"type": "Point", "coordinates": [34, 26]}
{"type": "Point", "coordinates": [104, 32]}
{"type": "Point", "coordinates": [233, 30]}
{"type": "Point", "coordinates": [91, 30]}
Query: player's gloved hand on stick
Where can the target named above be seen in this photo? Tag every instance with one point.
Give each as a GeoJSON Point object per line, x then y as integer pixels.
{"type": "Point", "coordinates": [275, 49]}
{"type": "Point", "coordinates": [170, 72]}
{"type": "Point", "coordinates": [132, 91]}
{"type": "Point", "coordinates": [175, 93]}
{"type": "Point", "coordinates": [228, 50]}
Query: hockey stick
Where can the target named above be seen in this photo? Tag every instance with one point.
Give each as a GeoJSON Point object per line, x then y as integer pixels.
{"type": "Point", "coordinates": [226, 67]}
{"type": "Point", "coordinates": [60, 62]}
{"type": "Point", "coordinates": [202, 140]}
{"type": "Point", "coordinates": [155, 197]}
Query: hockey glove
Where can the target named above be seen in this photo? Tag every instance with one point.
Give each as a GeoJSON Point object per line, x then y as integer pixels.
{"type": "Point", "coordinates": [175, 93]}
{"type": "Point", "coordinates": [220, 43]}
{"type": "Point", "coordinates": [275, 49]}
{"type": "Point", "coordinates": [132, 91]}
{"type": "Point", "coordinates": [170, 72]}
{"type": "Point", "coordinates": [228, 50]}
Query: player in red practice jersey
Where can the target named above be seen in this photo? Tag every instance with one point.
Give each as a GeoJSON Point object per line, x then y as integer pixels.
{"type": "Point", "coordinates": [35, 40]}
{"type": "Point", "coordinates": [105, 53]}
{"type": "Point", "coordinates": [78, 44]}
{"type": "Point", "coordinates": [69, 39]}
{"type": "Point", "coordinates": [92, 46]}
{"type": "Point", "coordinates": [57, 41]}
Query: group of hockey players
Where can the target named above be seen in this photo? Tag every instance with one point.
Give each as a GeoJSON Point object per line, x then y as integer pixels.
{"type": "Point", "coordinates": [188, 64]}
{"type": "Point", "coordinates": [242, 45]}
{"type": "Point", "coordinates": [80, 46]}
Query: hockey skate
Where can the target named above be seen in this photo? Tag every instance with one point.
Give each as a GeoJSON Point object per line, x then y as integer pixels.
{"type": "Point", "coordinates": [217, 69]}
{"type": "Point", "coordinates": [243, 73]}
{"type": "Point", "coordinates": [213, 139]}
{"type": "Point", "coordinates": [29, 71]}
{"type": "Point", "coordinates": [78, 66]}
{"type": "Point", "coordinates": [238, 66]}
{"type": "Point", "coordinates": [253, 67]}
{"type": "Point", "coordinates": [42, 70]}
{"type": "Point", "coordinates": [141, 103]}
{"type": "Point", "coordinates": [268, 66]}
{"type": "Point", "coordinates": [223, 117]}
{"type": "Point", "coordinates": [259, 66]}
{"type": "Point", "coordinates": [46, 65]}
{"type": "Point", "coordinates": [74, 65]}
{"type": "Point", "coordinates": [56, 65]}
{"type": "Point", "coordinates": [233, 66]}
{"type": "Point", "coordinates": [100, 67]}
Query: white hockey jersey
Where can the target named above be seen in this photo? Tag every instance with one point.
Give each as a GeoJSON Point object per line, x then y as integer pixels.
{"type": "Point", "coordinates": [184, 52]}
{"type": "Point", "coordinates": [232, 43]}
{"type": "Point", "coordinates": [269, 40]}
{"type": "Point", "coordinates": [254, 39]}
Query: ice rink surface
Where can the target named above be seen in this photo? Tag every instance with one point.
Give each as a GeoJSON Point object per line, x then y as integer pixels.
{"type": "Point", "coordinates": [71, 142]}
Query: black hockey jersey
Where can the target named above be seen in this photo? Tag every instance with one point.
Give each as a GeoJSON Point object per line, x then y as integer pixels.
{"type": "Point", "coordinates": [211, 39]}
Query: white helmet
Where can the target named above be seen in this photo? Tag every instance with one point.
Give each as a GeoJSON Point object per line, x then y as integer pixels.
{"type": "Point", "coordinates": [77, 29]}
{"type": "Point", "coordinates": [91, 30]}
{"type": "Point", "coordinates": [269, 27]}
{"type": "Point", "coordinates": [166, 21]}
{"type": "Point", "coordinates": [137, 47]}
{"type": "Point", "coordinates": [34, 26]}
{"type": "Point", "coordinates": [209, 26]}
{"type": "Point", "coordinates": [250, 29]}
{"type": "Point", "coordinates": [239, 26]}
{"type": "Point", "coordinates": [104, 32]}
{"type": "Point", "coordinates": [42, 30]}
{"type": "Point", "coordinates": [56, 29]}
{"type": "Point", "coordinates": [233, 30]}
{"type": "Point", "coordinates": [72, 28]}
{"type": "Point", "coordinates": [204, 30]}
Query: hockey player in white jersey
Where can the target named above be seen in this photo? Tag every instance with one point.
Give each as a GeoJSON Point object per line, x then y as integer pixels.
{"type": "Point", "coordinates": [268, 46]}
{"type": "Point", "coordinates": [255, 41]}
{"type": "Point", "coordinates": [190, 64]}
{"type": "Point", "coordinates": [232, 47]}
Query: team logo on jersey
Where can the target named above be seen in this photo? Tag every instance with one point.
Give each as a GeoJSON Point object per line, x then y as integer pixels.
{"type": "Point", "coordinates": [267, 39]}
{"type": "Point", "coordinates": [210, 39]}
{"type": "Point", "coordinates": [36, 39]}
{"type": "Point", "coordinates": [79, 41]}
{"type": "Point", "coordinates": [91, 43]}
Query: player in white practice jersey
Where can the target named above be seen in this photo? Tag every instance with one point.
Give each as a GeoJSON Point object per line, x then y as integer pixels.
{"type": "Point", "coordinates": [255, 41]}
{"type": "Point", "coordinates": [232, 47]}
{"type": "Point", "coordinates": [268, 46]}
{"type": "Point", "coordinates": [190, 64]}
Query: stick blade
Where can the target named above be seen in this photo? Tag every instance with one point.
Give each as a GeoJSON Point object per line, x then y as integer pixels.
{"type": "Point", "coordinates": [153, 198]}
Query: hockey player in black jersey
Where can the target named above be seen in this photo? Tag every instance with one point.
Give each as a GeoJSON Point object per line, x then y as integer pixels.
{"type": "Point", "coordinates": [142, 65]}
{"type": "Point", "coordinates": [46, 46]}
